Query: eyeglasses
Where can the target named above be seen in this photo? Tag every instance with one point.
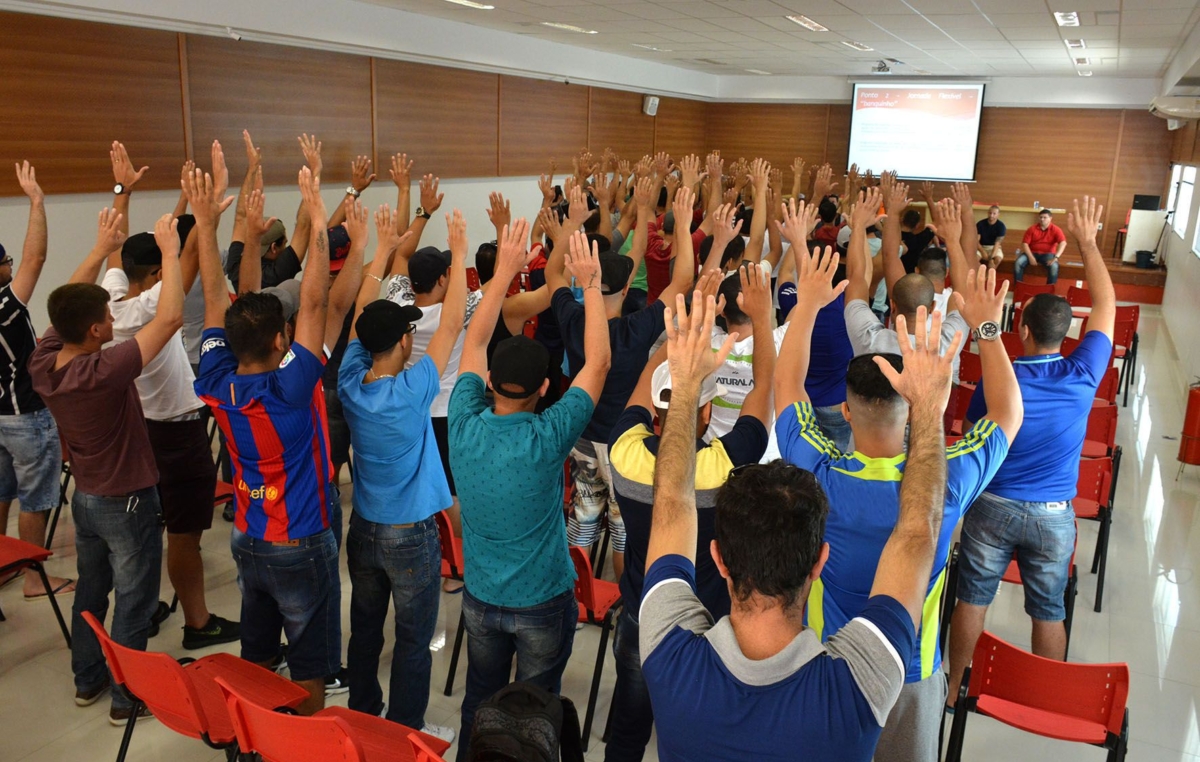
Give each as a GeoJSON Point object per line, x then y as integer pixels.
{"type": "Point", "coordinates": [6, 261]}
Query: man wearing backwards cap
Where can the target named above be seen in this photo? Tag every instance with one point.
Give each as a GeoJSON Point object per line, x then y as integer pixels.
{"type": "Point", "coordinates": [392, 550]}
{"type": "Point", "coordinates": [519, 595]}
{"type": "Point", "coordinates": [633, 452]}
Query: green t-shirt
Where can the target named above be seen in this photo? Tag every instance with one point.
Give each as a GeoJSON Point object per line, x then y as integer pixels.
{"type": "Point", "coordinates": [639, 280]}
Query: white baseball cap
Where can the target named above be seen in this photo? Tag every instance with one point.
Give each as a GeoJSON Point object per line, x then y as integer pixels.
{"type": "Point", "coordinates": [661, 382]}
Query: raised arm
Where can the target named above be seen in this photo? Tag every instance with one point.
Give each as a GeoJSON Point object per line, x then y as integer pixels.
{"type": "Point", "coordinates": [907, 558]}
{"type": "Point", "coordinates": [895, 201]}
{"type": "Point", "coordinates": [1083, 222]}
{"type": "Point", "coordinates": [431, 201]}
{"type": "Point", "coordinates": [858, 263]}
{"type": "Point", "coordinates": [33, 253]}
{"type": "Point", "coordinates": [968, 239]}
{"type": "Point", "coordinates": [814, 290]}
{"type": "Point", "coordinates": [603, 190]}
{"type": "Point", "coordinates": [350, 277]}
{"type": "Point", "coordinates": [947, 216]}
{"type": "Point", "coordinates": [511, 256]}
{"type": "Point", "coordinates": [683, 268]}
{"type": "Point", "coordinates": [361, 178]}
{"type": "Point", "coordinates": [759, 178]}
{"type": "Point", "coordinates": [546, 186]}
{"type": "Point", "coordinates": [302, 230]}
{"type": "Point", "coordinates": [388, 241]}
{"type": "Point", "coordinates": [168, 318]}
{"type": "Point", "coordinates": [253, 228]}
{"type": "Point", "coordinates": [401, 173]}
{"type": "Point", "coordinates": [577, 213]}
{"type": "Point", "coordinates": [799, 178]}
{"type": "Point", "coordinates": [109, 238]}
{"type": "Point", "coordinates": [725, 227]}
{"type": "Point", "coordinates": [585, 267]}
{"type": "Point", "coordinates": [499, 212]}
{"type": "Point", "coordinates": [314, 288]}
{"type": "Point", "coordinates": [252, 179]}
{"type": "Point", "coordinates": [644, 192]}
{"type": "Point", "coordinates": [982, 301]}
{"type": "Point", "coordinates": [755, 300]}
{"type": "Point", "coordinates": [126, 177]}
{"type": "Point", "coordinates": [673, 526]}
{"type": "Point", "coordinates": [454, 308]}
{"type": "Point", "coordinates": [207, 204]}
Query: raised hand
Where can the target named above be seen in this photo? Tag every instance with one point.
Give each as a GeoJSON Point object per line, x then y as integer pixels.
{"type": "Point", "coordinates": [755, 299]}
{"type": "Point", "coordinates": [895, 196]}
{"type": "Point", "coordinates": [27, 179]}
{"type": "Point", "coordinates": [798, 166]}
{"type": "Point", "coordinates": [456, 236]}
{"type": "Point", "coordinates": [760, 170]}
{"type": "Point", "coordinates": [583, 263]}
{"type": "Point", "coordinates": [946, 219]}
{"type": "Point", "coordinates": [310, 191]}
{"type": "Point", "coordinates": [166, 235]}
{"type": "Point", "coordinates": [123, 171]}
{"type": "Point", "coordinates": [220, 171]}
{"type": "Point", "coordinates": [866, 211]}
{"type": "Point", "coordinates": [201, 192]}
{"type": "Point", "coordinates": [256, 225]}
{"type": "Point", "coordinates": [643, 193]}
{"type": "Point", "coordinates": [714, 165]}
{"type": "Point", "coordinates": [962, 194]}
{"type": "Point", "coordinates": [401, 171]}
{"type": "Point", "coordinates": [603, 191]}
{"type": "Point", "coordinates": [685, 201]}
{"type": "Point", "coordinates": [499, 210]}
{"type": "Point", "coordinates": [385, 228]}
{"type": "Point", "coordinates": [546, 186]}
{"type": "Point", "coordinates": [981, 300]}
{"type": "Point", "coordinates": [690, 355]}
{"type": "Point", "coordinates": [775, 180]}
{"type": "Point", "coordinates": [690, 167]}
{"type": "Point", "coordinates": [549, 222]}
{"type": "Point", "coordinates": [661, 164]}
{"type": "Point", "coordinates": [925, 380]}
{"type": "Point", "coordinates": [927, 191]}
{"type": "Point", "coordinates": [799, 219]}
{"type": "Point", "coordinates": [672, 183]}
{"type": "Point", "coordinates": [361, 175]}
{"type": "Point", "coordinates": [824, 184]}
{"type": "Point", "coordinates": [814, 277]}
{"type": "Point", "coordinates": [1084, 221]}
{"type": "Point", "coordinates": [356, 223]}
{"type": "Point", "coordinates": [109, 235]}
{"type": "Point", "coordinates": [709, 284]}
{"type": "Point", "coordinates": [430, 198]}
{"type": "Point", "coordinates": [311, 147]}
{"type": "Point", "coordinates": [512, 255]}
{"type": "Point", "coordinates": [253, 153]}
{"type": "Point", "coordinates": [577, 208]}
{"type": "Point", "coordinates": [726, 226]}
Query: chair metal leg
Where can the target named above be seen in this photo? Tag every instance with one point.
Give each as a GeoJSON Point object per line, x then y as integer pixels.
{"type": "Point", "coordinates": [1102, 553]}
{"type": "Point", "coordinates": [605, 540]}
{"type": "Point", "coordinates": [41, 570]}
{"type": "Point", "coordinates": [62, 500]}
{"type": "Point", "coordinates": [133, 714]}
{"type": "Point", "coordinates": [1069, 602]}
{"type": "Point", "coordinates": [458, 638]}
{"type": "Point", "coordinates": [591, 707]}
{"type": "Point", "coordinates": [958, 728]}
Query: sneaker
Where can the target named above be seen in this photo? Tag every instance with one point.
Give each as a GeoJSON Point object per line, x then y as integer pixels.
{"type": "Point", "coordinates": [335, 684]}
{"type": "Point", "coordinates": [158, 617]}
{"type": "Point", "coordinates": [229, 514]}
{"type": "Point", "coordinates": [439, 731]}
{"type": "Point", "coordinates": [119, 718]}
{"type": "Point", "coordinates": [218, 630]}
{"type": "Point", "coordinates": [279, 663]}
{"type": "Point", "coordinates": [87, 698]}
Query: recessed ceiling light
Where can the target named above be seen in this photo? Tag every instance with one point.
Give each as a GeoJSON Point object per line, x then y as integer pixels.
{"type": "Point", "coordinates": [758, 71]}
{"type": "Point", "coordinates": [568, 27]}
{"type": "Point", "coordinates": [476, 6]}
{"type": "Point", "coordinates": [856, 45]}
{"type": "Point", "coordinates": [1067, 18]}
{"type": "Point", "coordinates": [1076, 44]}
{"type": "Point", "coordinates": [1084, 73]}
{"type": "Point", "coordinates": [1082, 62]}
{"type": "Point", "coordinates": [651, 47]}
{"type": "Point", "coordinates": [807, 23]}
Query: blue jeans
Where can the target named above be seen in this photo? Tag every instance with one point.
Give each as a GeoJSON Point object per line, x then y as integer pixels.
{"type": "Point", "coordinates": [118, 541]}
{"type": "Point", "coordinates": [401, 564]}
{"type": "Point", "coordinates": [632, 715]}
{"type": "Point", "coordinates": [835, 426]}
{"type": "Point", "coordinates": [1046, 260]}
{"type": "Point", "coordinates": [30, 460]}
{"type": "Point", "coordinates": [539, 636]}
{"type": "Point", "coordinates": [291, 588]}
{"type": "Point", "coordinates": [1043, 537]}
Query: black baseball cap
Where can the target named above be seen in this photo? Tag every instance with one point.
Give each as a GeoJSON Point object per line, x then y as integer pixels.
{"type": "Point", "coordinates": [519, 367]}
{"type": "Point", "coordinates": [184, 228]}
{"type": "Point", "coordinates": [615, 270]}
{"type": "Point", "coordinates": [382, 324]}
{"type": "Point", "coordinates": [426, 266]}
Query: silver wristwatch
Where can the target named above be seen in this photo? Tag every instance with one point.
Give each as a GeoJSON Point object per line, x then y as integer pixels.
{"type": "Point", "coordinates": [988, 330]}
{"type": "Point", "coordinates": [352, 191]}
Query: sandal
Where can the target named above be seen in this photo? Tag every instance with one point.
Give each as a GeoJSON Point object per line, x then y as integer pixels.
{"type": "Point", "coordinates": [57, 591]}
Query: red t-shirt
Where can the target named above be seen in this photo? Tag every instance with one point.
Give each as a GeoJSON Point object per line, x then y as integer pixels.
{"type": "Point", "coordinates": [658, 259]}
{"type": "Point", "coordinates": [1044, 241]}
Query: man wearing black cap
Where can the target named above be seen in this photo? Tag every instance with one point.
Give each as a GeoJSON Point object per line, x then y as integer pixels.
{"type": "Point", "coordinates": [630, 339]}
{"type": "Point", "coordinates": [519, 597]}
{"type": "Point", "coordinates": [392, 550]}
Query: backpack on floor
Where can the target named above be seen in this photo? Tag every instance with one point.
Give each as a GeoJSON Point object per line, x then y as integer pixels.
{"type": "Point", "coordinates": [524, 723]}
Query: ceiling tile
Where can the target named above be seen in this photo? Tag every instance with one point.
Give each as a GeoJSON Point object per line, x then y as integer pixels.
{"type": "Point", "coordinates": [1151, 32]}
{"type": "Point", "coordinates": [647, 10]}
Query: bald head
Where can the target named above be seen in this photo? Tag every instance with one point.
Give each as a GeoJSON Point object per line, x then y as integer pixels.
{"type": "Point", "coordinates": [912, 291]}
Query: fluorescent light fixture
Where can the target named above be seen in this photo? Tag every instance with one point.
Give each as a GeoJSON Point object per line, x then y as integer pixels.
{"type": "Point", "coordinates": [470, 4]}
{"type": "Point", "coordinates": [1084, 73]}
{"type": "Point", "coordinates": [758, 71]}
{"type": "Point", "coordinates": [1075, 44]}
{"type": "Point", "coordinates": [856, 45]}
{"type": "Point", "coordinates": [651, 47]}
{"type": "Point", "coordinates": [1067, 18]}
{"type": "Point", "coordinates": [1083, 61]}
{"type": "Point", "coordinates": [568, 27]}
{"type": "Point", "coordinates": [807, 23]}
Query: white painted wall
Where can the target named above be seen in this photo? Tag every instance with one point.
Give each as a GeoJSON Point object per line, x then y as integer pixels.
{"type": "Point", "coordinates": [72, 220]}
{"type": "Point", "coordinates": [1181, 308]}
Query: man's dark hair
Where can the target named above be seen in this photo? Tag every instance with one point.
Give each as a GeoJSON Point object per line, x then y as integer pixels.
{"type": "Point", "coordinates": [251, 325]}
{"type": "Point", "coordinates": [735, 250]}
{"type": "Point", "coordinates": [911, 218]}
{"type": "Point", "coordinates": [827, 211]}
{"type": "Point", "coordinates": [932, 262]}
{"type": "Point", "coordinates": [592, 223]}
{"type": "Point", "coordinates": [770, 526]}
{"type": "Point", "coordinates": [1048, 318]}
{"type": "Point", "coordinates": [1046, 212]}
{"type": "Point", "coordinates": [730, 288]}
{"type": "Point", "coordinates": [138, 273]}
{"type": "Point", "coordinates": [76, 307]}
{"type": "Point", "coordinates": [485, 261]}
{"type": "Point", "coordinates": [662, 197]}
{"type": "Point", "coordinates": [866, 381]}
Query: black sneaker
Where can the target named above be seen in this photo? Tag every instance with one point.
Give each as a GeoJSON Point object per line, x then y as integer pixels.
{"type": "Point", "coordinates": [335, 684]}
{"type": "Point", "coordinates": [87, 698]}
{"type": "Point", "coordinates": [119, 718]}
{"type": "Point", "coordinates": [160, 615]}
{"type": "Point", "coordinates": [230, 512]}
{"type": "Point", "coordinates": [279, 663]}
{"type": "Point", "coordinates": [218, 630]}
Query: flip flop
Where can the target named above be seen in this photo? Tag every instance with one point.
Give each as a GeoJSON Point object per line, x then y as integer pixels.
{"type": "Point", "coordinates": [57, 591]}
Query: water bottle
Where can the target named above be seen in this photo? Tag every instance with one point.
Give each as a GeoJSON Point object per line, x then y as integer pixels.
{"type": "Point", "coordinates": [1037, 205]}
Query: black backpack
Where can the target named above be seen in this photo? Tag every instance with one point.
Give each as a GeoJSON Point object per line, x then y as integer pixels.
{"type": "Point", "coordinates": [524, 723]}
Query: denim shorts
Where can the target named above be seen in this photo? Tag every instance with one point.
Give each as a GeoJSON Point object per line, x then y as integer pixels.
{"type": "Point", "coordinates": [1043, 537]}
{"type": "Point", "coordinates": [30, 460]}
{"type": "Point", "coordinates": [291, 588]}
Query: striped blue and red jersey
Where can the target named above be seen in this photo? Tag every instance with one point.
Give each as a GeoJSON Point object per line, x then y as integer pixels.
{"type": "Point", "coordinates": [277, 435]}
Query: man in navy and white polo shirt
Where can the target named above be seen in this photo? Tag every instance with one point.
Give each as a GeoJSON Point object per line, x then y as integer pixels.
{"type": "Point", "coordinates": [757, 685]}
{"type": "Point", "coordinates": [1027, 506]}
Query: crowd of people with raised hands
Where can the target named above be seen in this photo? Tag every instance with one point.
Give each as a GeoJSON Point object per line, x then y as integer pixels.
{"type": "Point", "coordinates": [747, 383]}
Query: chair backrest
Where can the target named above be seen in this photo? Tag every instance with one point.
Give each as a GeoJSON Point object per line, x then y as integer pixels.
{"type": "Point", "coordinates": [421, 752]}
{"type": "Point", "coordinates": [584, 590]}
{"type": "Point", "coordinates": [451, 546]}
{"type": "Point", "coordinates": [970, 369]}
{"type": "Point", "coordinates": [960, 399]}
{"type": "Point", "coordinates": [1079, 297]}
{"type": "Point", "coordinates": [1068, 346]}
{"type": "Point", "coordinates": [1095, 480]}
{"type": "Point", "coordinates": [472, 279]}
{"type": "Point", "coordinates": [278, 737]}
{"type": "Point", "coordinates": [1130, 312]}
{"type": "Point", "coordinates": [1012, 344]}
{"type": "Point", "coordinates": [157, 679]}
{"type": "Point", "coordinates": [1107, 390]}
{"type": "Point", "coordinates": [1102, 425]}
{"type": "Point", "coordinates": [1090, 692]}
{"type": "Point", "coordinates": [1023, 292]}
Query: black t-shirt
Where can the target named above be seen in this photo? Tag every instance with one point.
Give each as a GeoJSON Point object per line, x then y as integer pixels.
{"type": "Point", "coordinates": [914, 244]}
{"type": "Point", "coordinates": [988, 233]}
{"type": "Point", "coordinates": [499, 334]}
{"type": "Point", "coordinates": [274, 271]}
{"type": "Point", "coordinates": [547, 333]}
{"type": "Point", "coordinates": [17, 342]}
{"type": "Point", "coordinates": [633, 452]}
{"type": "Point", "coordinates": [630, 337]}
{"type": "Point", "coordinates": [330, 376]}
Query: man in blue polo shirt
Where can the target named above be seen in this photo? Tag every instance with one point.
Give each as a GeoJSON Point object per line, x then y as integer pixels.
{"type": "Point", "coordinates": [758, 685]}
{"type": "Point", "coordinates": [519, 597]}
{"type": "Point", "coordinates": [1027, 507]}
{"type": "Point", "coordinates": [392, 550]}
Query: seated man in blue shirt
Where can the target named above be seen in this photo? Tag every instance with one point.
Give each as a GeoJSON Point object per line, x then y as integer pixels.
{"type": "Point", "coordinates": [864, 489]}
{"type": "Point", "coordinates": [1027, 507]}
{"type": "Point", "coordinates": [758, 685]}
{"type": "Point", "coordinates": [392, 550]}
{"type": "Point", "coordinates": [520, 583]}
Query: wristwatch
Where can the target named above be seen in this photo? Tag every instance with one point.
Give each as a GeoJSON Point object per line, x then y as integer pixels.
{"type": "Point", "coordinates": [119, 189]}
{"type": "Point", "coordinates": [352, 191]}
{"type": "Point", "coordinates": [988, 330]}
{"type": "Point", "coordinates": [422, 213]}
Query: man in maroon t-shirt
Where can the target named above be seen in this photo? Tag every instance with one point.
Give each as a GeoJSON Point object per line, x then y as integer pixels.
{"type": "Point", "coordinates": [1045, 243]}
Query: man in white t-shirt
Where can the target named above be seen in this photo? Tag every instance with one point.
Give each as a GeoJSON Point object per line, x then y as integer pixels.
{"type": "Point", "coordinates": [178, 436]}
{"type": "Point", "coordinates": [932, 264]}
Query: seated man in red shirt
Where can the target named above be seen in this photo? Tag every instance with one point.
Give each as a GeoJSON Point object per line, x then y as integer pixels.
{"type": "Point", "coordinates": [1044, 242]}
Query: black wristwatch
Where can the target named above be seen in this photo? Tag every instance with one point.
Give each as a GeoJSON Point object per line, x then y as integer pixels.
{"type": "Point", "coordinates": [119, 189]}
{"type": "Point", "coordinates": [422, 213]}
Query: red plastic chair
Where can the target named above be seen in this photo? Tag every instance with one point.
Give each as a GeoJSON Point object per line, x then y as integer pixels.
{"type": "Point", "coordinates": [334, 733]}
{"type": "Point", "coordinates": [970, 368]}
{"type": "Point", "coordinates": [1125, 345]}
{"type": "Point", "coordinates": [598, 604]}
{"type": "Point", "coordinates": [1109, 386]}
{"type": "Point", "coordinates": [1083, 703]}
{"type": "Point", "coordinates": [183, 695]}
{"type": "Point", "coordinates": [1012, 345]}
{"type": "Point", "coordinates": [472, 279]}
{"type": "Point", "coordinates": [1080, 300]}
{"type": "Point", "coordinates": [1021, 293]}
{"type": "Point", "coordinates": [1101, 438]}
{"type": "Point", "coordinates": [1093, 501]}
{"type": "Point", "coordinates": [452, 568]}
{"type": "Point", "coordinates": [1068, 346]}
{"type": "Point", "coordinates": [960, 402]}
{"type": "Point", "coordinates": [16, 555]}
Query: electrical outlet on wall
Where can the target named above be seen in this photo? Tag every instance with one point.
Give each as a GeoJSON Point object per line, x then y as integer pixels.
{"type": "Point", "coordinates": [1099, 226]}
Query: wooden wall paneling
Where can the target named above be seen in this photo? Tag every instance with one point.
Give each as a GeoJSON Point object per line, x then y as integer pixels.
{"type": "Point", "coordinates": [185, 93]}
{"type": "Point", "coordinates": [1144, 166]}
{"type": "Point", "coordinates": [540, 120]}
{"type": "Point", "coordinates": [616, 121]}
{"type": "Point", "coordinates": [680, 127]}
{"type": "Point", "coordinates": [445, 119]}
{"type": "Point", "coordinates": [72, 87]}
{"type": "Point", "coordinates": [837, 141]}
{"type": "Point", "coordinates": [277, 92]}
{"type": "Point", "coordinates": [777, 133]}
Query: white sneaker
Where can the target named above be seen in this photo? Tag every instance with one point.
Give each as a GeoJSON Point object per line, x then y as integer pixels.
{"type": "Point", "coordinates": [439, 731]}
